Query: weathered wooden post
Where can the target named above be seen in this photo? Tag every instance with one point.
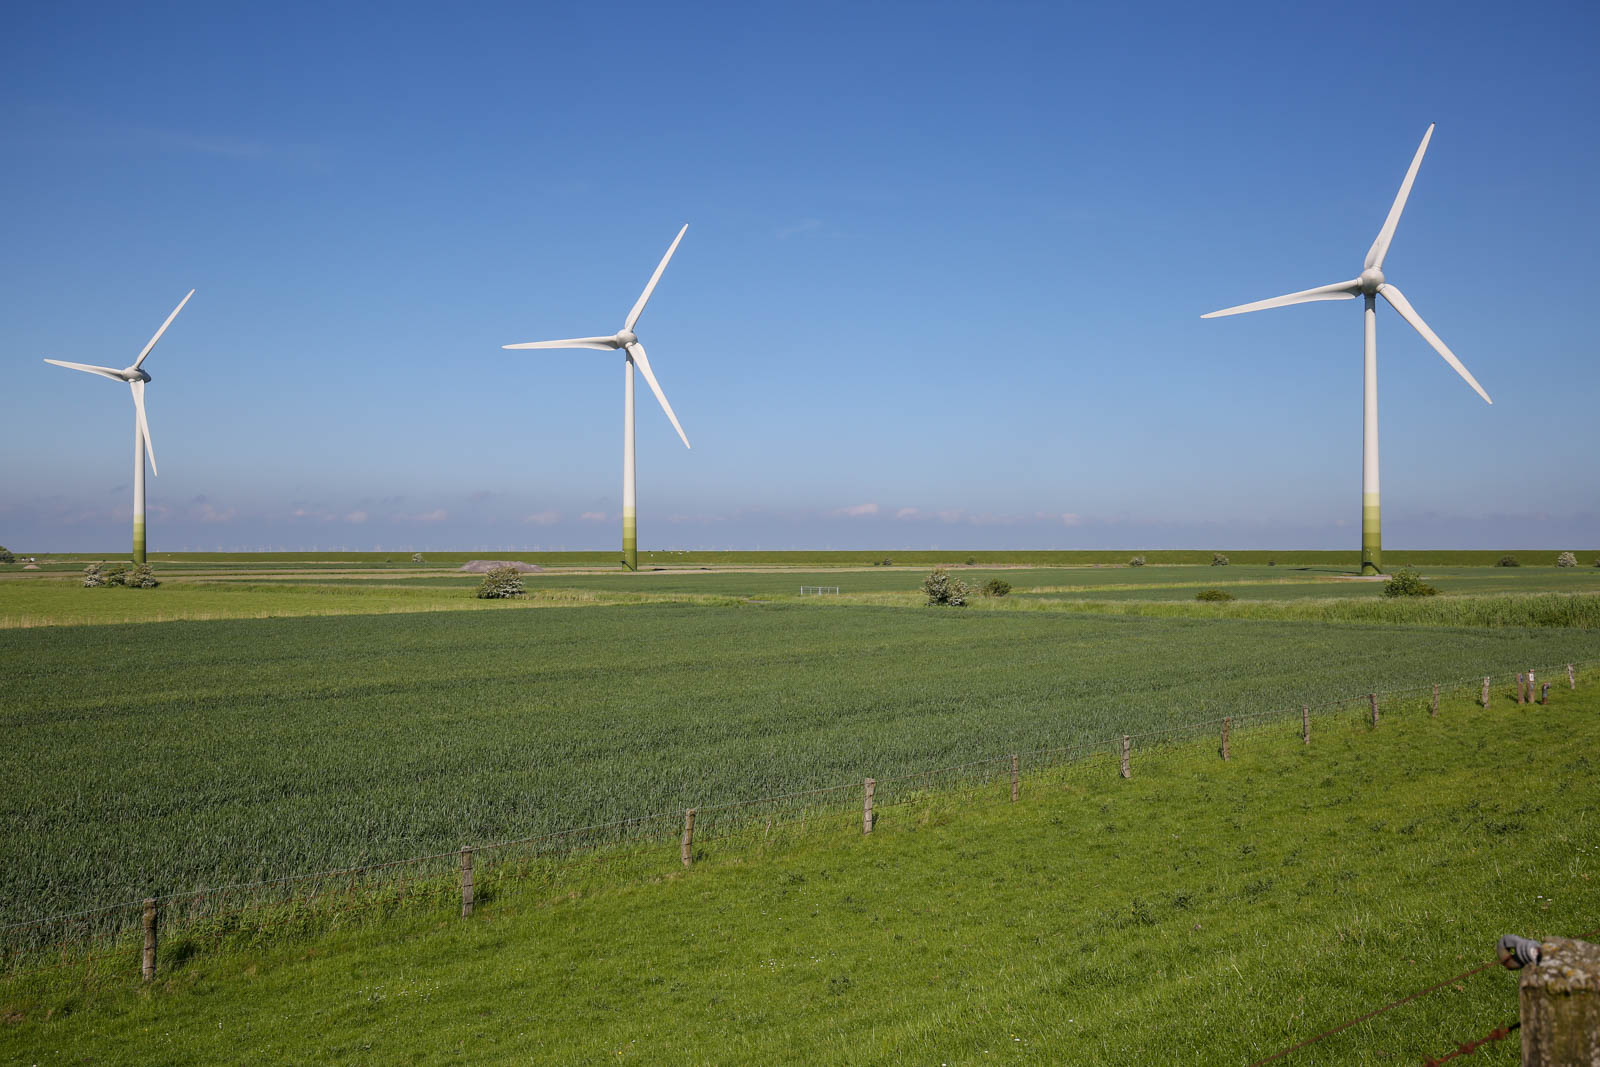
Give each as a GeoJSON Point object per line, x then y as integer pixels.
{"type": "Point", "coordinates": [1015, 784]}
{"type": "Point", "coordinates": [1560, 999]}
{"type": "Point", "coordinates": [1435, 712]}
{"type": "Point", "coordinates": [1305, 723]}
{"type": "Point", "coordinates": [866, 807]}
{"type": "Point", "coordinates": [1485, 699]}
{"type": "Point", "coordinates": [1225, 724]}
{"type": "Point", "coordinates": [686, 846]}
{"type": "Point", "coordinates": [1522, 688]}
{"type": "Point", "coordinates": [1531, 689]}
{"type": "Point", "coordinates": [147, 969]}
{"type": "Point", "coordinates": [1372, 702]}
{"type": "Point", "coordinates": [466, 881]}
{"type": "Point", "coordinates": [1572, 679]}
{"type": "Point", "coordinates": [1544, 693]}
{"type": "Point", "coordinates": [1126, 772]}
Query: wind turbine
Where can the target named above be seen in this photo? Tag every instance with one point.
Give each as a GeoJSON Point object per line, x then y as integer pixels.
{"type": "Point", "coordinates": [633, 355]}
{"type": "Point", "coordinates": [136, 377]}
{"type": "Point", "coordinates": [1370, 285]}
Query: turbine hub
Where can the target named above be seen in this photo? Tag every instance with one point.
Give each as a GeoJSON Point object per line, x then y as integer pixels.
{"type": "Point", "coordinates": [626, 338]}
{"type": "Point", "coordinates": [137, 374]}
{"type": "Point", "coordinates": [1371, 279]}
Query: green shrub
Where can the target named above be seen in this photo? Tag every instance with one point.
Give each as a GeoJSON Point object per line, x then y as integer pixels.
{"type": "Point", "coordinates": [1218, 559]}
{"type": "Point", "coordinates": [117, 575]}
{"type": "Point", "coordinates": [944, 590]}
{"type": "Point", "coordinates": [6, 556]}
{"type": "Point", "coordinates": [1508, 561]}
{"type": "Point", "coordinates": [971, 560]}
{"type": "Point", "coordinates": [416, 557]}
{"type": "Point", "coordinates": [1136, 561]}
{"type": "Point", "coordinates": [1213, 594]}
{"type": "Point", "coordinates": [141, 577]}
{"type": "Point", "coordinates": [888, 562]}
{"type": "Point", "coordinates": [92, 578]}
{"type": "Point", "coordinates": [996, 587]}
{"type": "Point", "coordinates": [502, 583]}
{"type": "Point", "coordinates": [1566, 559]}
{"type": "Point", "coordinates": [1407, 582]}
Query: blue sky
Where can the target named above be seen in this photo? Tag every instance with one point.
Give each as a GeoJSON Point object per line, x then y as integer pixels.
{"type": "Point", "coordinates": [941, 285]}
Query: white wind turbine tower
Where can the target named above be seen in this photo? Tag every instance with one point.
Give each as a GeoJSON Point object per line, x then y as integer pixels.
{"type": "Point", "coordinates": [136, 378]}
{"type": "Point", "coordinates": [1371, 284]}
{"type": "Point", "coordinates": [633, 355]}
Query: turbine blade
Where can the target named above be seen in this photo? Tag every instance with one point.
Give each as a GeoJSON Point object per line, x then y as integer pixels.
{"type": "Point", "coordinates": [636, 350]}
{"type": "Point", "coordinates": [604, 344]}
{"type": "Point", "coordinates": [137, 385]}
{"type": "Point", "coordinates": [152, 342]}
{"type": "Point", "coordinates": [104, 372]}
{"type": "Point", "coordinates": [1380, 246]}
{"type": "Point", "coordinates": [1336, 291]}
{"type": "Point", "coordinates": [644, 297]}
{"type": "Point", "coordinates": [1398, 300]}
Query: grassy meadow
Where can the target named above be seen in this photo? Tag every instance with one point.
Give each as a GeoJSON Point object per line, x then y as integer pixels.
{"type": "Point", "coordinates": [1202, 912]}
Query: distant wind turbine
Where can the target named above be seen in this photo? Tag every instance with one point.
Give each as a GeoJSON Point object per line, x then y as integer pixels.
{"type": "Point", "coordinates": [633, 355]}
{"type": "Point", "coordinates": [1371, 284]}
{"type": "Point", "coordinates": [136, 378]}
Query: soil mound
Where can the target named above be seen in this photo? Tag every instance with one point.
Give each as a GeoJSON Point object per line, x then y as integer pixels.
{"type": "Point", "coordinates": [484, 566]}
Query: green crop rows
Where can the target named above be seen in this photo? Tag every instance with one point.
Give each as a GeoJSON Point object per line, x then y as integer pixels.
{"type": "Point", "coordinates": [162, 757]}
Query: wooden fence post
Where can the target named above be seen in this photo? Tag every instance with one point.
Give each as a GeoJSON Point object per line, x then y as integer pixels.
{"type": "Point", "coordinates": [1572, 679]}
{"type": "Point", "coordinates": [1485, 699]}
{"type": "Point", "coordinates": [686, 847]}
{"type": "Point", "coordinates": [1305, 723]}
{"type": "Point", "coordinates": [466, 881]}
{"type": "Point", "coordinates": [1126, 772]}
{"type": "Point", "coordinates": [1560, 1002]}
{"type": "Point", "coordinates": [1225, 724]}
{"type": "Point", "coordinates": [147, 969]}
{"type": "Point", "coordinates": [1435, 711]}
{"type": "Point", "coordinates": [1531, 689]}
{"type": "Point", "coordinates": [1544, 693]}
{"type": "Point", "coordinates": [1372, 702]}
{"type": "Point", "coordinates": [867, 818]}
{"type": "Point", "coordinates": [1522, 688]}
{"type": "Point", "coordinates": [1015, 785]}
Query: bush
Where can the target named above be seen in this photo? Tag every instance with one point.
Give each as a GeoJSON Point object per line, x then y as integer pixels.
{"type": "Point", "coordinates": [1213, 594]}
{"type": "Point", "coordinates": [944, 590]}
{"type": "Point", "coordinates": [92, 578]}
{"type": "Point", "coordinates": [1136, 561]}
{"type": "Point", "coordinates": [502, 583]}
{"type": "Point", "coordinates": [996, 587]}
{"type": "Point", "coordinates": [1566, 559]}
{"type": "Point", "coordinates": [142, 577]}
{"type": "Point", "coordinates": [6, 556]}
{"type": "Point", "coordinates": [416, 557]}
{"type": "Point", "coordinates": [117, 575]}
{"type": "Point", "coordinates": [1407, 582]}
{"type": "Point", "coordinates": [1218, 559]}
{"type": "Point", "coordinates": [1508, 561]}
{"type": "Point", "coordinates": [888, 562]}
{"type": "Point", "coordinates": [971, 560]}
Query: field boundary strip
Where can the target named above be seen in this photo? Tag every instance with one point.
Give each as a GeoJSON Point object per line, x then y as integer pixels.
{"type": "Point", "coordinates": [29, 938]}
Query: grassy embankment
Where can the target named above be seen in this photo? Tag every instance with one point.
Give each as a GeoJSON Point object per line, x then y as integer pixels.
{"type": "Point", "coordinates": [1202, 912]}
{"type": "Point", "coordinates": [167, 757]}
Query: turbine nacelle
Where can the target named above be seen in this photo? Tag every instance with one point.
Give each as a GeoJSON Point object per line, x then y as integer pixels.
{"type": "Point", "coordinates": [1371, 281]}
{"type": "Point", "coordinates": [624, 338]}
{"type": "Point", "coordinates": [135, 374]}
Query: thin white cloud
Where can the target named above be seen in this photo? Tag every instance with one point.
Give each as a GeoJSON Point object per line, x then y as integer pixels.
{"type": "Point", "coordinates": [356, 516]}
{"type": "Point", "coordinates": [594, 516]}
{"type": "Point", "coordinates": [542, 518]}
{"type": "Point", "coordinates": [907, 513]}
{"type": "Point", "coordinates": [858, 511]}
{"type": "Point", "coordinates": [1071, 519]}
{"type": "Point", "coordinates": [798, 228]}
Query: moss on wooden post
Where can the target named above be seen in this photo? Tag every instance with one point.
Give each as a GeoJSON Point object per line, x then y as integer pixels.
{"type": "Point", "coordinates": [1561, 1005]}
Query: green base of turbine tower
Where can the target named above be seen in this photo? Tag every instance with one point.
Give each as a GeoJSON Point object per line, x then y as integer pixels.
{"type": "Point", "coordinates": [630, 542]}
{"type": "Point", "coordinates": [1371, 538]}
{"type": "Point", "coordinates": [138, 542]}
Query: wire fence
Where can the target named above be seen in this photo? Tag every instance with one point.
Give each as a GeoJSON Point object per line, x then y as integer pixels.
{"type": "Point", "coordinates": [117, 935]}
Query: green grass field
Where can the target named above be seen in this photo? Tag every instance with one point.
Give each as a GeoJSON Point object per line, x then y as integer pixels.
{"type": "Point", "coordinates": [1202, 912]}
